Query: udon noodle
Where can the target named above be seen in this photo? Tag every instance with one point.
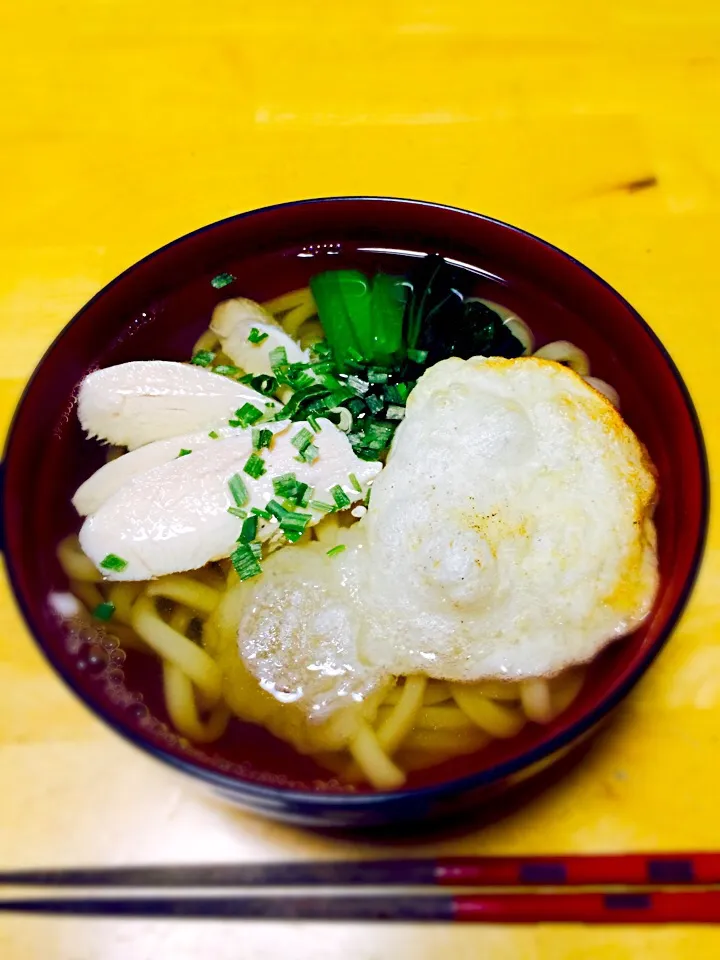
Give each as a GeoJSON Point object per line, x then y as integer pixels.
{"type": "Point", "coordinates": [419, 724]}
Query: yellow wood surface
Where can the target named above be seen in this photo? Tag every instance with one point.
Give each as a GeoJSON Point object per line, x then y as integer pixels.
{"type": "Point", "coordinates": [124, 124]}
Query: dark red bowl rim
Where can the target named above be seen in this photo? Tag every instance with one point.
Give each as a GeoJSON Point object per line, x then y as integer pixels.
{"type": "Point", "coordinates": [235, 786]}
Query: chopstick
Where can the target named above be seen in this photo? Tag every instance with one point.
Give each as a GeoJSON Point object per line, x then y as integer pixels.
{"type": "Point", "coordinates": [615, 908]}
{"type": "Point", "coordinates": [635, 869]}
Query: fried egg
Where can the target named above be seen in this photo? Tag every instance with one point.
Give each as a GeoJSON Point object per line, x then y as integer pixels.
{"type": "Point", "coordinates": [510, 534]}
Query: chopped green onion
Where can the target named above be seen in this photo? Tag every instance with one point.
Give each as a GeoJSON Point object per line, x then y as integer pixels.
{"type": "Point", "coordinates": [334, 551]}
{"type": "Point", "coordinates": [321, 507]}
{"type": "Point", "coordinates": [259, 512]}
{"type": "Point", "coordinates": [340, 497]}
{"type": "Point", "coordinates": [257, 336]}
{"type": "Point", "coordinates": [234, 423]}
{"type": "Point", "coordinates": [378, 435]}
{"type": "Point", "coordinates": [256, 549]}
{"type": "Point", "coordinates": [301, 439]}
{"type": "Point", "coordinates": [261, 438]}
{"type": "Point", "coordinates": [395, 412]}
{"type": "Point", "coordinates": [356, 405]}
{"type": "Point", "coordinates": [331, 382]}
{"type": "Point", "coordinates": [221, 280]}
{"type": "Point", "coordinates": [299, 520]}
{"type": "Point", "coordinates": [396, 392]}
{"type": "Point", "coordinates": [303, 494]}
{"type": "Point", "coordinates": [309, 454]}
{"type": "Point", "coordinates": [293, 525]}
{"type": "Point", "coordinates": [297, 376]}
{"type": "Point", "coordinates": [264, 384]}
{"type": "Point", "coordinates": [248, 414]}
{"type": "Point", "coordinates": [277, 509]}
{"type": "Point", "coordinates": [249, 529]}
{"type": "Point", "coordinates": [375, 403]}
{"type": "Point", "coordinates": [285, 485]}
{"type": "Point", "coordinates": [183, 453]}
{"type": "Point", "coordinates": [278, 359]}
{"type": "Point", "coordinates": [214, 435]}
{"type": "Point", "coordinates": [314, 424]}
{"type": "Point", "coordinates": [358, 385]}
{"type": "Point", "coordinates": [255, 466]}
{"type": "Point", "coordinates": [238, 490]}
{"type": "Point", "coordinates": [417, 356]}
{"type": "Point", "coordinates": [113, 562]}
{"type": "Point", "coordinates": [377, 375]}
{"type": "Point", "coordinates": [295, 402]}
{"type": "Point", "coordinates": [203, 358]}
{"type": "Point", "coordinates": [237, 512]}
{"type": "Point", "coordinates": [245, 562]}
{"type": "Point", "coordinates": [322, 367]}
{"type": "Point", "coordinates": [354, 482]}
{"type": "Point", "coordinates": [103, 611]}
{"type": "Point", "coordinates": [226, 370]}
{"type": "Point", "coordinates": [322, 349]}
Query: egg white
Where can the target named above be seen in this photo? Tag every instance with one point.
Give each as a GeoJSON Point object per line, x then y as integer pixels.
{"type": "Point", "coordinates": [510, 534]}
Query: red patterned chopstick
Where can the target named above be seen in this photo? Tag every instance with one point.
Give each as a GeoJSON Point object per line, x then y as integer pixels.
{"type": "Point", "coordinates": [626, 869]}
{"type": "Point", "coordinates": [696, 906]}
{"type": "Point", "coordinates": [691, 906]}
{"type": "Point", "coordinates": [634, 869]}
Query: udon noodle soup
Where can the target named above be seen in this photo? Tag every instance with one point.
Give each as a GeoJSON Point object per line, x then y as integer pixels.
{"type": "Point", "coordinates": [370, 515]}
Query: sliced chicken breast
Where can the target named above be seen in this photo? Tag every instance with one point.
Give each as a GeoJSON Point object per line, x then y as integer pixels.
{"type": "Point", "coordinates": [106, 481]}
{"type": "Point", "coordinates": [233, 320]}
{"type": "Point", "coordinates": [175, 517]}
{"type": "Point", "coordinates": [145, 400]}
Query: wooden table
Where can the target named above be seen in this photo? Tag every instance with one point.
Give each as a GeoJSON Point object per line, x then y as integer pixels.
{"type": "Point", "coordinates": [124, 124]}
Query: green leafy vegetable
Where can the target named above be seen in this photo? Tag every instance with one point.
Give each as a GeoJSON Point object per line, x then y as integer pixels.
{"type": "Point", "coordinates": [388, 299]}
{"type": "Point", "coordinates": [442, 321]}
